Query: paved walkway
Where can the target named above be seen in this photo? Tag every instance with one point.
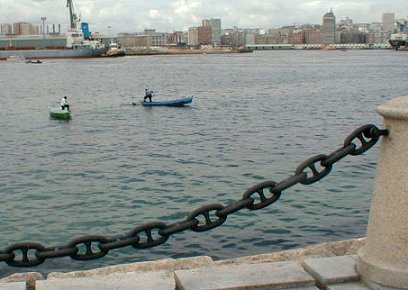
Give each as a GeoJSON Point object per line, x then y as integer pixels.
{"type": "Point", "coordinates": [302, 270]}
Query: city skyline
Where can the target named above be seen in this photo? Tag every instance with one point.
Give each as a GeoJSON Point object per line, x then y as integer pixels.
{"type": "Point", "coordinates": [107, 16]}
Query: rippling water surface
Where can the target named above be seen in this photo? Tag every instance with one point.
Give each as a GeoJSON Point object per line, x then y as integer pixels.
{"type": "Point", "coordinates": [254, 117]}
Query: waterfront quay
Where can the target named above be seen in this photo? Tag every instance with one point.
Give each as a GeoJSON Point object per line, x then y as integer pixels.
{"type": "Point", "coordinates": [339, 46]}
{"type": "Point", "coordinates": [323, 266]}
{"type": "Point", "coordinates": [157, 50]}
{"type": "Point", "coordinates": [377, 262]}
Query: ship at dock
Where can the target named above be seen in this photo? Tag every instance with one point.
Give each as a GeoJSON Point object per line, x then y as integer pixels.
{"type": "Point", "coordinates": [399, 40]}
{"type": "Point", "coordinates": [77, 42]}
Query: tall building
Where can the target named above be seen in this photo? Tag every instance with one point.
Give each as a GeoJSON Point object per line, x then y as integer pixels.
{"type": "Point", "coordinates": [388, 20]}
{"type": "Point", "coordinates": [204, 35]}
{"type": "Point", "coordinates": [193, 36]}
{"type": "Point", "coordinates": [328, 29]}
{"type": "Point", "coordinates": [199, 35]}
{"type": "Point", "coordinates": [216, 31]}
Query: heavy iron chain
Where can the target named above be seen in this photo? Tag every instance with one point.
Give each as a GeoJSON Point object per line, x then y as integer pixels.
{"type": "Point", "coordinates": [205, 218]}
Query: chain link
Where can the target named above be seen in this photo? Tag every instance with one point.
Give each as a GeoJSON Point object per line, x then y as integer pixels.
{"type": "Point", "coordinates": [56, 253]}
{"type": "Point", "coordinates": [202, 219]}
{"type": "Point", "coordinates": [368, 135]}
{"type": "Point", "coordinates": [208, 222]}
{"type": "Point", "coordinates": [226, 211]}
{"type": "Point", "coordinates": [338, 155]}
{"type": "Point", "coordinates": [119, 242]}
{"type": "Point", "coordinates": [26, 259]}
{"type": "Point", "coordinates": [312, 163]}
{"type": "Point", "coordinates": [90, 253]}
{"type": "Point", "coordinates": [149, 239]}
{"type": "Point", "coordinates": [4, 257]}
{"type": "Point", "coordinates": [259, 190]}
{"type": "Point", "coordinates": [179, 227]}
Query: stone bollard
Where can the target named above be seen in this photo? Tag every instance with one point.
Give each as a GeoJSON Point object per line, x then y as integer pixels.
{"type": "Point", "coordinates": [383, 261]}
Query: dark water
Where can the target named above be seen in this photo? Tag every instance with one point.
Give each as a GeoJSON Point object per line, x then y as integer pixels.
{"type": "Point", "coordinates": [254, 117]}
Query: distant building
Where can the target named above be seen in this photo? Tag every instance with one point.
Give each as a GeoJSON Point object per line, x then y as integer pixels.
{"type": "Point", "coordinates": [204, 35]}
{"type": "Point", "coordinates": [6, 29]}
{"type": "Point", "coordinates": [328, 29]}
{"type": "Point", "coordinates": [176, 38]}
{"type": "Point", "coordinates": [236, 37]}
{"type": "Point", "coordinates": [346, 22]}
{"type": "Point", "coordinates": [216, 31]}
{"type": "Point", "coordinates": [401, 25]}
{"type": "Point", "coordinates": [353, 36]}
{"type": "Point", "coordinates": [296, 37]}
{"type": "Point", "coordinates": [377, 33]}
{"type": "Point", "coordinates": [250, 39]}
{"type": "Point", "coordinates": [193, 36]}
{"type": "Point", "coordinates": [312, 34]}
{"type": "Point", "coordinates": [24, 28]}
{"type": "Point", "coordinates": [135, 40]}
{"type": "Point", "coordinates": [268, 39]}
{"type": "Point", "coordinates": [150, 32]}
{"type": "Point", "coordinates": [281, 35]}
{"type": "Point", "coordinates": [199, 35]}
{"type": "Point", "coordinates": [152, 38]}
{"type": "Point", "coordinates": [388, 20]}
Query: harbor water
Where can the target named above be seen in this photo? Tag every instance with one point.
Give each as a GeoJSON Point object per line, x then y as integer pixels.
{"type": "Point", "coordinates": [254, 117]}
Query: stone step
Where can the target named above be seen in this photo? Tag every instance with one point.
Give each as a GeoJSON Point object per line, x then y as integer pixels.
{"type": "Point", "coordinates": [332, 270]}
{"type": "Point", "coordinates": [13, 286]}
{"type": "Point", "coordinates": [155, 280]}
{"type": "Point", "coordinates": [348, 286]}
{"type": "Point", "coordinates": [258, 276]}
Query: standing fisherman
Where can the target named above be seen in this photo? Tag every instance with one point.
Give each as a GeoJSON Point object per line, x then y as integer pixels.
{"type": "Point", "coordinates": [148, 95]}
{"type": "Point", "coordinates": [64, 103]}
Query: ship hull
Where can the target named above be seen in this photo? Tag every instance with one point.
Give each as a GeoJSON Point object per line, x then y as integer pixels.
{"type": "Point", "coordinates": [398, 44]}
{"type": "Point", "coordinates": [52, 53]}
{"type": "Point", "coordinates": [399, 41]}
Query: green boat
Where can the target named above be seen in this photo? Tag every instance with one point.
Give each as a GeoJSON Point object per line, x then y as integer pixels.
{"type": "Point", "coordinates": [58, 113]}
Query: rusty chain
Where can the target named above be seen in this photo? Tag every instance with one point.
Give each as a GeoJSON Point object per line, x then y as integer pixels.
{"type": "Point", "coordinates": [201, 219]}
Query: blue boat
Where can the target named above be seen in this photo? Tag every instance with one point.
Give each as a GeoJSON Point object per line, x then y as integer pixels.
{"type": "Point", "coordinates": [169, 103]}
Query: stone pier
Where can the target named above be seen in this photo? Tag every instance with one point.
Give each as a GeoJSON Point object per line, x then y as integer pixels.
{"type": "Point", "coordinates": [383, 261]}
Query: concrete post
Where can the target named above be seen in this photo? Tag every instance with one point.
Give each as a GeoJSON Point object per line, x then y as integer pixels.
{"type": "Point", "coordinates": [383, 261]}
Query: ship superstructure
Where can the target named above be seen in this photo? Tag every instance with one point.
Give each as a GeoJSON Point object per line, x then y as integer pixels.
{"type": "Point", "coordinates": [400, 38]}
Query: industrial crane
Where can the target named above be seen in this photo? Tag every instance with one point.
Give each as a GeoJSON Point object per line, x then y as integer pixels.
{"type": "Point", "coordinates": [72, 16]}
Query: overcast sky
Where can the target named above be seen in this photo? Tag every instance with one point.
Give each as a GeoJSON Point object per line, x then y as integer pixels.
{"type": "Point", "coordinates": [171, 15]}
